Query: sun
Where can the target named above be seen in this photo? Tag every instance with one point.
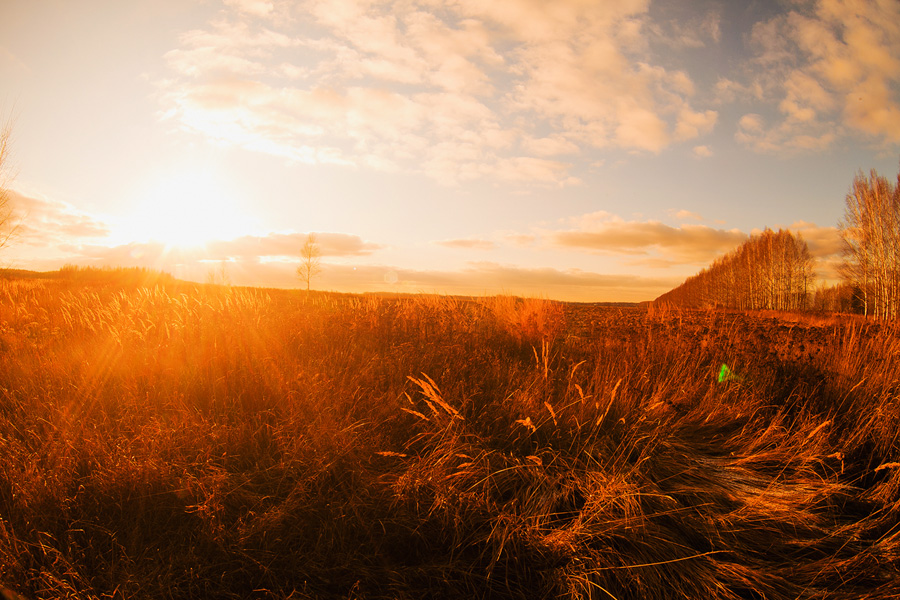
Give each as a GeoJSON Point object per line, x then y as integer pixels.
{"type": "Point", "coordinates": [187, 209]}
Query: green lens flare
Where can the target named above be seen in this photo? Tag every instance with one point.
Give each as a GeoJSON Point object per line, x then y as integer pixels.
{"type": "Point", "coordinates": [726, 374]}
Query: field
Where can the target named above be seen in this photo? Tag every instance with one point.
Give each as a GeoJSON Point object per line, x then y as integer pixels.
{"type": "Point", "coordinates": [172, 440]}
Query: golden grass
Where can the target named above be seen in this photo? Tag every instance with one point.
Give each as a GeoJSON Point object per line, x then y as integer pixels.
{"type": "Point", "coordinates": [187, 441]}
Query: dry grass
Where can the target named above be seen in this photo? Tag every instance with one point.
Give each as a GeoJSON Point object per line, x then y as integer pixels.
{"type": "Point", "coordinates": [176, 441]}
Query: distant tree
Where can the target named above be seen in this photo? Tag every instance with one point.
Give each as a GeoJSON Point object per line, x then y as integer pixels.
{"type": "Point", "coordinates": [219, 276]}
{"type": "Point", "coordinates": [310, 265]}
{"type": "Point", "coordinates": [841, 297]}
{"type": "Point", "coordinates": [7, 225]}
{"type": "Point", "coordinates": [871, 234]}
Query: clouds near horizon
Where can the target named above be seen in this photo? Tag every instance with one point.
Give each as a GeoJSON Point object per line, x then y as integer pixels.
{"type": "Point", "coordinates": [647, 242]}
{"type": "Point", "coordinates": [473, 278]}
{"type": "Point", "coordinates": [41, 222]}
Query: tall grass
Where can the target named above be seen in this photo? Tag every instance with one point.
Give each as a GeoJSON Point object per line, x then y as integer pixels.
{"type": "Point", "coordinates": [187, 441]}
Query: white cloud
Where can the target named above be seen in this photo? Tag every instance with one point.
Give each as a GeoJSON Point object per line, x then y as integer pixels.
{"type": "Point", "coordinates": [459, 91]}
{"type": "Point", "coordinates": [258, 8]}
{"type": "Point", "coordinates": [788, 137]}
{"type": "Point", "coordinates": [694, 124]}
{"type": "Point", "coordinates": [683, 215]}
{"type": "Point", "coordinates": [43, 222]}
{"type": "Point", "coordinates": [823, 242]}
{"type": "Point", "coordinates": [468, 244]}
{"type": "Point", "coordinates": [647, 242]}
{"type": "Point", "coordinates": [832, 69]}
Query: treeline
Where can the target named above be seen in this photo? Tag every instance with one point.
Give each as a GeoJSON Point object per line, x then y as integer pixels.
{"type": "Point", "coordinates": [772, 270]}
{"type": "Point", "coordinates": [871, 234]}
{"type": "Point", "coordinates": [111, 275]}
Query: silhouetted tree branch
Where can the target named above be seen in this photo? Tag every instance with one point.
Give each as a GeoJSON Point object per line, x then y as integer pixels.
{"type": "Point", "coordinates": [7, 225]}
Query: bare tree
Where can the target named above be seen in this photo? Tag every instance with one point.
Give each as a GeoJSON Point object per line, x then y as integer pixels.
{"type": "Point", "coordinates": [871, 234]}
{"type": "Point", "coordinates": [219, 276]}
{"type": "Point", "coordinates": [310, 265]}
{"type": "Point", "coordinates": [772, 270]}
{"type": "Point", "coordinates": [7, 225]}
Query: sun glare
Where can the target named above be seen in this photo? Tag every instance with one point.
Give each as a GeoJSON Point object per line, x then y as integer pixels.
{"type": "Point", "coordinates": [187, 209]}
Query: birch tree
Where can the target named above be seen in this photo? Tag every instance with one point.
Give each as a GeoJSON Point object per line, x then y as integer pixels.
{"type": "Point", "coordinates": [772, 270]}
{"type": "Point", "coordinates": [871, 236]}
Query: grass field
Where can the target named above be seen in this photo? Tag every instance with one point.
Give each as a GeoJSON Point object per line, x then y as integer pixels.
{"type": "Point", "coordinates": [187, 441]}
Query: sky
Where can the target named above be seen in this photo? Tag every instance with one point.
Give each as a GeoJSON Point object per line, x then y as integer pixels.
{"type": "Point", "coordinates": [574, 150]}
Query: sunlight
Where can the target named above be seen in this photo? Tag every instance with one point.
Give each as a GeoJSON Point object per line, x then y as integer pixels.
{"type": "Point", "coordinates": [187, 209]}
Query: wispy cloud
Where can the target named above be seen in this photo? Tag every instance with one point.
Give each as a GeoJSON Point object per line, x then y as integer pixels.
{"type": "Point", "coordinates": [42, 222]}
{"type": "Point", "coordinates": [289, 245]}
{"type": "Point", "coordinates": [247, 249]}
{"type": "Point", "coordinates": [468, 244]}
{"type": "Point", "coordinates": [257, 8]}
{"type": "Point", "coordinates": [476, 278]}
{"type": "Point", "coordinates": [647, 242]}
{"type": "Point", "coordinates": [699, 30]}
{"type": "Point", "coordinates": [683, 215]}
{"type": "Point", "coordinates": [823, 242]}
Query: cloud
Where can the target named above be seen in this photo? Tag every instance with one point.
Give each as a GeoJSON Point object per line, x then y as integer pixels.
{"type": "Point", "coordinates": [681, 215]}
{"type": "Point", "coordinates": [475, 278]}
{"type": "Point", "coordinates": [788, 137]}
{"type": "Point", "coordinates": [698, 30]}
{"type": "Point", "coordinates": [647, 242]}
{"type": "Point", "coordinates": [246, 248]}
{"type": "Point", "coordinates": [702, 151]}
{"type": "Point", "coordinates": [520, 239]}
{"type": "Point", "coordinates": [832, 68]}
{"type": "Point", "coordinates": [257, 8]}
{"type": "Point", "coordinates": [469, 244]}
{"type": "Point", "coordinates": [289, 245]}
{"type": "Point", "coordinates": [550, 146]}
{"type": "Point", "coordinates": [694, 124]}
{"type": "Point", "coordinates": [823, 242]}
{"type": "Point", "coordinates": [44, 222]}
{"type": "Point", "coordinates": [727, 91]}
{"type": "Point", "coordinates": [459, 91]}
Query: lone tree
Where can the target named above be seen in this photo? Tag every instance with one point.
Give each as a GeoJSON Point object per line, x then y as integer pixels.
{"type": "Point", "coordinates": [7, 227]}
{"type": "Point", "coordinates": [309, 260]}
